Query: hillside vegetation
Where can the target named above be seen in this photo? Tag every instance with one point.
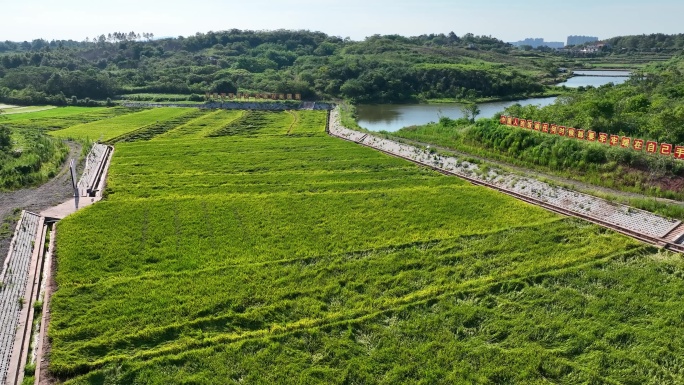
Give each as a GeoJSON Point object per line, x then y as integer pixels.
{"type": "Point", "coordinates": [649, 106]}
{"type": "Point", "coordinates": [268, 252]}
{"type": "Point", "coordinates": [380, 68]}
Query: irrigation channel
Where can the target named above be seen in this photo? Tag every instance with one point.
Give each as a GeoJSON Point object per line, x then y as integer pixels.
{"type": "Point", "coordinates": [642, 225]}
{"type": "Point", "coordinates": [26, 273]}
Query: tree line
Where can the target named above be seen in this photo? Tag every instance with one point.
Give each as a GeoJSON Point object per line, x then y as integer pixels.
{"type": "Point", "coordinates": [387, 68]}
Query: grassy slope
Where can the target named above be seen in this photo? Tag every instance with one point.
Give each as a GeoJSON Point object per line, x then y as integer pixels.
{"type": "Point", "coordinates": [120, 125]}
{"type": "Point", "coordinates": [52, 113]}
{"type": "Point", "coordinates": [314, 260]}
{"type": "Point", "coordinates": [565, 164]}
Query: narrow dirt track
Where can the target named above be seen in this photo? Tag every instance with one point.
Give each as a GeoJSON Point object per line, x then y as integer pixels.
{"type": "Point", "coordinates": [36, 199]}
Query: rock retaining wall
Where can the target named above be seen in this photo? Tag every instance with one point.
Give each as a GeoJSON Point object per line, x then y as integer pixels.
{"type": "Point", "coordinates": [14, 280]}
{"type": "Point", "coordinates": [622, 216]}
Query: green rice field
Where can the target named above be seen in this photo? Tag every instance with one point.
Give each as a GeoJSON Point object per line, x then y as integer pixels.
{"type": "Point", "coordinates": [249, 247]}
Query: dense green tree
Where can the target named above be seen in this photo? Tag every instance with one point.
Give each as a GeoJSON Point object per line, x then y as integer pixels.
{"type": "Point", "coordinates": [380, 68]}
{"type": "Point", "coordinates": [224, 86]}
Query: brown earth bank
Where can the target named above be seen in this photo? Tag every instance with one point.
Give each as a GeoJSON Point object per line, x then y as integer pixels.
{"type": "Point", "coordinates": [35, 199]}
{"type": "Point", "coordinates": [664, 180]}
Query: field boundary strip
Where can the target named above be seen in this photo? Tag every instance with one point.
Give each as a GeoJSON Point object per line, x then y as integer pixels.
{"type": "Point", "coordinates": [639, 224]}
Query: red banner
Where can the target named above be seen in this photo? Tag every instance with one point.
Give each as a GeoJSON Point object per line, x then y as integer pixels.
{"type": "Point", "coordinates": [679, 152]}
{"type": "Point", "coordinates": [591, 136]}
{"type": "Point", "coordinates": [638, 144]}
{"type": "Point", "coordinates": [652, 147]}
{"type": "Point", "coordinates": [561, 130]}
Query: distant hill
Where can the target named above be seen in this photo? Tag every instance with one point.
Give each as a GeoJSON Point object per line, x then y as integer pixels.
{"type": "Point", "coordinates": [388, 68]}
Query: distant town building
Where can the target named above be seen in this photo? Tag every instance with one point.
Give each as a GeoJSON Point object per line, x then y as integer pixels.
{"type": "Point", "coordinates": [579, 40]}
{"type": "Point", "coordinates": [539, 42]}
{"type": "Point", "coordinates": [593, 48]}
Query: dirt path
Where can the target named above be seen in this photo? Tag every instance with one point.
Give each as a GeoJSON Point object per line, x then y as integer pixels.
{"type": "Point", "coordinates": [36, 199]}
{"type": "Point", "coordinates": [295, 119]}
{"type": "Point", "coordinates": [575, 184]}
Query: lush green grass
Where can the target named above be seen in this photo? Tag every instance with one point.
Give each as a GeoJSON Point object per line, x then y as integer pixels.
{"type": "Point", "coordinates": [204, 125]}
{"type": "Point", "coordinates": [276, 254]}
{"type": "Point", "coordinates": [53, 113]}
{"type": "Point", "coordinates": [111, 128]}
{"type": "Point", "coordinates": [615, 321]}
{"type": "Point", "coordinates": [62, 117]}
{"type": "Point", "coordinates": [33, 157]}
{"type": "Point", "coordinates": [153, 130]}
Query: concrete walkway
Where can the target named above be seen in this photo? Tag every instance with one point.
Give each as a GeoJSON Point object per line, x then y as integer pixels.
{"type": "Point", "coordinates": [14, 280]}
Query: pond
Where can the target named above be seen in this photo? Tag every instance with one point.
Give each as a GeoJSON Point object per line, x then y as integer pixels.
{"type": "Point", "coordinates": [595, 78]}
{"type": "Point", "coordinates": [392, 117]}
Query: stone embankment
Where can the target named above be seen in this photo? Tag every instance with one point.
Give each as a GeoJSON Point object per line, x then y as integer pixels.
{"type": "Point", "coordinates": [14, 278]}
{"type": "Point", "coordinates": [93, 169]}
{"type": "Point", "coordinates": [616, 216]}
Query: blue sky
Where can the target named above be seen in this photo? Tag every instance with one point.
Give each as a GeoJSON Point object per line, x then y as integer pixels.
{"type": "Point", "coordinates": [506, 20]}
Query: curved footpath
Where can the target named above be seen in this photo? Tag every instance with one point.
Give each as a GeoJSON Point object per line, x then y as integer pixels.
{"type": "Point", "coordinates": [643, 225]}
{"type": "Point", "coordinates": [26, 276]}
